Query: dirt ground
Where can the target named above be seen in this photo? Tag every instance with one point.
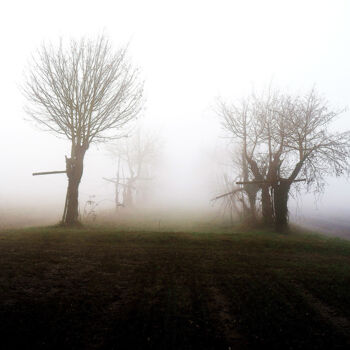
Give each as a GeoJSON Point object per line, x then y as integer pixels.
{"type": "Point", "coordinates": [97, 288]}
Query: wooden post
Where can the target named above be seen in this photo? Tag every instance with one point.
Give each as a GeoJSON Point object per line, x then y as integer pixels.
{"type": "Point", "coordinates": [50, 172]}
{"type": "Point", "coordinates": [270, 183]}
{"type": "Point", "coordinates": [267, 182]}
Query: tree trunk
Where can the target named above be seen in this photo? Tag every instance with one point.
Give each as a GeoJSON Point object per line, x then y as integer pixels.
{"type": "Point", "coordinates": [281, 193]}
{"type": "Point", "coordinates": [252, 199]}
{"type": "Point", "coordinates": [252, 206]}
{"type": "Point", "coordinates": [267, 211]}
{"type": "Point", "coordinates": [75, 166]}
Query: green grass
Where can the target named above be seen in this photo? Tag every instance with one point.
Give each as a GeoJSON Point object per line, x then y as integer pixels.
{"type": "Point", "coordinates": [100, 288]}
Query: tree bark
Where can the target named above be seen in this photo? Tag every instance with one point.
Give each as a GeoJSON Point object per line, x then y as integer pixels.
{"type": "Point", "coordinates": [281, 194]}
{"type": "Point", "coordinates": [267, 211]}
{"type": "Point", "coordinates": [75, 166]}
{"type": "Point", "coordinates": [251, 191]}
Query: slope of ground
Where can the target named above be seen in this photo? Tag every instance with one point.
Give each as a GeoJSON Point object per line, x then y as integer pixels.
{"type": "Point", "coordinates": [97, 288]}
{"type": "Point", "coordinates": [328, 225]}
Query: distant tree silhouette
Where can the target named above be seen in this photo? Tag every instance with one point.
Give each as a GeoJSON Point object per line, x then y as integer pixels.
{"type": "Point", "coordinates": [135, 157]}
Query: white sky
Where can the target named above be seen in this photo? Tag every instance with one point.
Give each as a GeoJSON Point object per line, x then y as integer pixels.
{"type": "Point", "coordinates": [190, 52]}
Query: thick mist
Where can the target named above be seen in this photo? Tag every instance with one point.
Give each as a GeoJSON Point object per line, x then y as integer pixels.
{"type": "Point", "coordinates": [189, 54]}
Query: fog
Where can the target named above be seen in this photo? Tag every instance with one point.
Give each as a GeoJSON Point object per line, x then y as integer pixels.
{"type": "Point", "coordinates": [190, 53]}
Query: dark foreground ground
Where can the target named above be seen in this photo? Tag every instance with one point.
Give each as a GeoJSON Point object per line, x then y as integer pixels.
{"type": "Point", "coordinates": [100, 289]}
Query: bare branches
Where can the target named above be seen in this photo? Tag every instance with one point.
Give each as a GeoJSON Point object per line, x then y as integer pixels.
{"type": "Point", "coordinates": [283, 137]}
{"type": "Point", "coordinates": [84, 90]}
{"type": "Point", "coordinates": [87, 93]}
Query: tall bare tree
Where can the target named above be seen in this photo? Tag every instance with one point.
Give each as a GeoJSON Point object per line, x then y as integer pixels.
{"type": "Point", "coordinates": [241, 122]}
{"type": "Point", "coordinates": [283, 137]}
{"type": "Point", "coordinates": [85, 92]}
{"type": "Point", "coordinates": [308, 148]}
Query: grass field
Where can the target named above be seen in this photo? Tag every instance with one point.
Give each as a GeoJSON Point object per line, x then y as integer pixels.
{"type": "Point", "coordinates": [97, 288]}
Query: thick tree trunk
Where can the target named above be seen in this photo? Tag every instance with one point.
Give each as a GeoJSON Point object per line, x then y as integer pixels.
{"type": "Point", "coordinates": [267, 211]}
{"type": "Point", "coordinates": [75, 166]}
{"type": "Point", "coordinates": [252, 206]}
{"type": "Point", "coordinates": [281, 193]}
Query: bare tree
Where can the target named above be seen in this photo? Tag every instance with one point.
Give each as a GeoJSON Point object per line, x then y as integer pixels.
{"type": "Point", "coordinates": [247, 132]}
{"type": "Point", "coordinates": [85, 92]}
{"type": "Point", "coordinates": [135, 158]}
{"type": "Point", "coordinates": [283, 137]}
{"type": "Point", "coordinates": [308, 148]}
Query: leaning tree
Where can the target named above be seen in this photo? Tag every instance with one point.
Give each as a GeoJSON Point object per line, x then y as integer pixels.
{"type": "Point", "coordinates": [86, 92]}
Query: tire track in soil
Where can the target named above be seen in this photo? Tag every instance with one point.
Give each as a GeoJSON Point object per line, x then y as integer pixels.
{"type": "Point", "coordinates": [219, 307]}
{"type": "Point", "coordinates": [327, 313]}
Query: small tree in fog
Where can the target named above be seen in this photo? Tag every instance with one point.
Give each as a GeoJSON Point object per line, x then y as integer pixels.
{"type": "Point", "coordinates": [283, 137]}
{"type": "Point", "coordinates": [85, 92]}
{"type": "Point", "coordinates": [135, 157]}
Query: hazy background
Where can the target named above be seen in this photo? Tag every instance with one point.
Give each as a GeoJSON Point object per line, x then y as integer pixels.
{"type": "Point", "coordinates": [190, 52]}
